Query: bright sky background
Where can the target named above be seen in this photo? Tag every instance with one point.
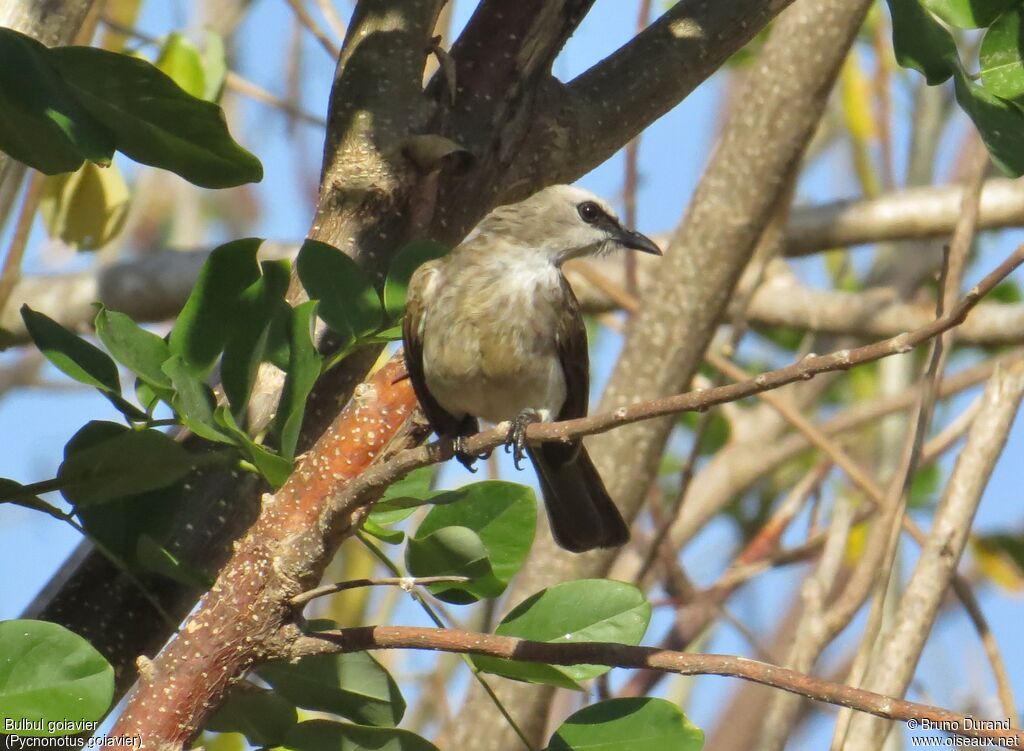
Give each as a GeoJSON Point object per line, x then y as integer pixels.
{"type": "Point", "coordinates": [35, 424]}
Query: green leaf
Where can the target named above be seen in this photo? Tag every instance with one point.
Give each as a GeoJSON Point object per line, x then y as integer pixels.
{"type": "Point", "coordinates": [408, 259]}
{"type": "Point", "coordinates": [274, 468]}
{"type": "Point", "coordinates": [454, 551]}
{"type": "Point", "coordinates": [715, 436]}
{"type": "Point", "coordinates": [1002, 70]}
{"type": "Point", "coordinates": [264, 717]}
{"type": "Point", "coordinates": [156, 559]}
{"type": "Point", "coordinates": [50, 675]}
{"type": "Point", "coordinates": [389, 536]}
{"type": "Point", "coordinates": [303, 369]}
{"type": "Point", "coordinates": [153, 120]}
{"type": "Point", "coordinates": [403, 497]}
{"type": "Point", "coordinates": [246, 343]}
{"type": "Point", "coordinates": [215, 66]}
{"type": "Point", "coordinates": [589, 610]}
{"type": "Point", "coordinates": [42, 123]}
{"type": "Point", "coordinates": [180, 60]}
{"type": "Point", "coordinates": [1005, 292]}
{"type": "Point", "coordinates": [629, 724]}
{"type": "Point", "coordinates": [120, 524]}
{"type": "Point", "coordinates": [353, 685]}
{"type": "Point", "coordinates": [193, 401]}
{"type": "Point", "coordinates": [324, 735]}
{"type": "Point", "coordinates": [141, 351]}
{"type": "Point", "coordinates": [70, 353]}
{"type": "Point", "coordinates": [999, 122]}
{"type": "Point", "coordinates": [213, 311]}
{"type": "Point", "coordinates": [925, 486]}
{"type": "Point", "coordinates": [921, 42]}
{"type": "Point", "coordinates": [349, 304]}
{"type": "Point", "coordinates": [968, 14]}
{"type": "Point", "coordinates": [490, 523]}
{"type": "Point", "coordinates": [101, 466]}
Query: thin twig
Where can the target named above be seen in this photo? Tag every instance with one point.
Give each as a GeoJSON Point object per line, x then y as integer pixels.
{"type": "Point", "coordinates": [364, 638]}
{"type": "Point", "coordinates": [299, 9]}
{"type": "Point", "coordinates": [405, 582]}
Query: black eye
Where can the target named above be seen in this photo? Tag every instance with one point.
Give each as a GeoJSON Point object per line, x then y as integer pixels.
{"type": "Point", "coordinates": [590, 212]}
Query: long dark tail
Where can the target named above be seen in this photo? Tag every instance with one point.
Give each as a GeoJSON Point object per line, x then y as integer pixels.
{"type": "Point", "coordinates": [582, 515]}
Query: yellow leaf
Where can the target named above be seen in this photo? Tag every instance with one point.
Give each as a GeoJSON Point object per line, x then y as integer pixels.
{"type": "Point", "coordinates": [998, 558]}
{"type": "Point", "coordinates": [855, 542]}
{"type": "Point", "coordinates": [86, 208]}
{"type": "Point", "coordinates": [223, 742]}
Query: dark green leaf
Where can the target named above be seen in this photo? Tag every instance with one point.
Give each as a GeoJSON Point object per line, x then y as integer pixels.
{"type": "Point", "coordinates": [273, 467]}
{"type": "Point", "coordinates": [49, 674]}
{"type": "Point", "coordinates": [128, 463]}
{"type": "Point", "coordinates": [629, 724]}
{"type": "Point", "coordinates": [502, 516]}
{"type": "Point", "coordinates": [921, 42]}
{"type": "Point", "coordinates": [265, 718]}
{"type": "Point", "coordinates": [246, 343]}
{"type": "Point", "coordinates": [141, 351]}
{"type": "Point", "coordinates": [353, 685]}
{"type": "Point", "coordinates": [213, 311]}
{"type": "Point", "coordinates": [303, 369]}
{"type": "Point", "coordinates": [324, 735]}
{"type": "Point", "coordinates": [349, 304]}
{"type": "Point", "coordinates": [715, 435]}
{"type": "Point", "coordinates": [41, 122]}
{"type": "Point", "coordinates": [193, 401]}
{"type": "Point", "coordinates": [1002, 70]}
{"type": "Point", "coordinates": [153, 120]}
{"type": "Point", "coordinates": [999, 122]}
{"type": "Point", "coordinates": [155, 558]}
{"type": "Point", "coordinates": [968, 14]}
{"type": "Point", "coordinates": [120, 524]}
{"type": "Point", "coordinates": [403, 497]}
{"type": "Point", "coordinates": [589, 610]}
{"type": "Point", "coordinates": [454, 551]}
{"type": "Point", "coordinates": [408, 259]}
{"type": "Point", "coordinates": [70, 353]}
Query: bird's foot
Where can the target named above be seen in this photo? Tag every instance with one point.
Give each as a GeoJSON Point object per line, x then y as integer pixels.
{"type": "Point", "coordinates": [467, 458]}
{"type": "Point", "coordinates": [516, 439]}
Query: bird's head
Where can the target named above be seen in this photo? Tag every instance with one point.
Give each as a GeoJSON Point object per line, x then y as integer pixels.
{"type": "Point", "coordinates": [564, 222]}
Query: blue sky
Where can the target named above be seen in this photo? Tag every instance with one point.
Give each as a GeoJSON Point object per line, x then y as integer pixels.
{"type": "Point", "coordinates": [36, 423]}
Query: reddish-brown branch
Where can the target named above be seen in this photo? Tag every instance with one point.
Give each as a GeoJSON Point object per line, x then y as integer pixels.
{"type": "Point", "coordinates": [620, 655]}
{"type": "Point", "coordinates": [283, 555]}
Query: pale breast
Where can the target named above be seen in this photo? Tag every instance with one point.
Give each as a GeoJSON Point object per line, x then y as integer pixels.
{"type": "Point", "coordinates": [489, 345]}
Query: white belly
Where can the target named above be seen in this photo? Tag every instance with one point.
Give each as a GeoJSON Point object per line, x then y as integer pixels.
{"type": "Point", "coordinates": [489, 347]}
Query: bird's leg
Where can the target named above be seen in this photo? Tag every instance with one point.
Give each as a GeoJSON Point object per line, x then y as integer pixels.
{"type": "Point", "coordinates": [516, 439]}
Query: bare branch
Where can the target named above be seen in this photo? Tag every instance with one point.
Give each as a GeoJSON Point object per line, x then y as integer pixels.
{"type": "Point", "coordinates": [893, 667]}
{"type": "Point", "coordinates": [912, 213]}
{"type": "Point", "coordinates": [620, 655]}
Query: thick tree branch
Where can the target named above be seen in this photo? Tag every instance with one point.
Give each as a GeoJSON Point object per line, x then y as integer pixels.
{"type": "Point", "coordinates": [650, 658]}
{"type": "Point", "coordinates": [912, 213]}
{"type": "Point", "coordinates": [584, 122]}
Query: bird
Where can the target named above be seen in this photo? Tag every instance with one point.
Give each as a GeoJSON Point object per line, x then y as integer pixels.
{"type": "Point", "coordinates": [492, 331]}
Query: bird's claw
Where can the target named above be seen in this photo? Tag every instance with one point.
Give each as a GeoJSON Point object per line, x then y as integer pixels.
{"type": "Point", "coordinates": [516, 439]}
{"type": "Point", "coordinates": [467, 458]}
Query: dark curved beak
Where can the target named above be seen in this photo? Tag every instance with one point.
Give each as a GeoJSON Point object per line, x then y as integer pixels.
{"type": "Point", "coordinates": [635, 241]}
